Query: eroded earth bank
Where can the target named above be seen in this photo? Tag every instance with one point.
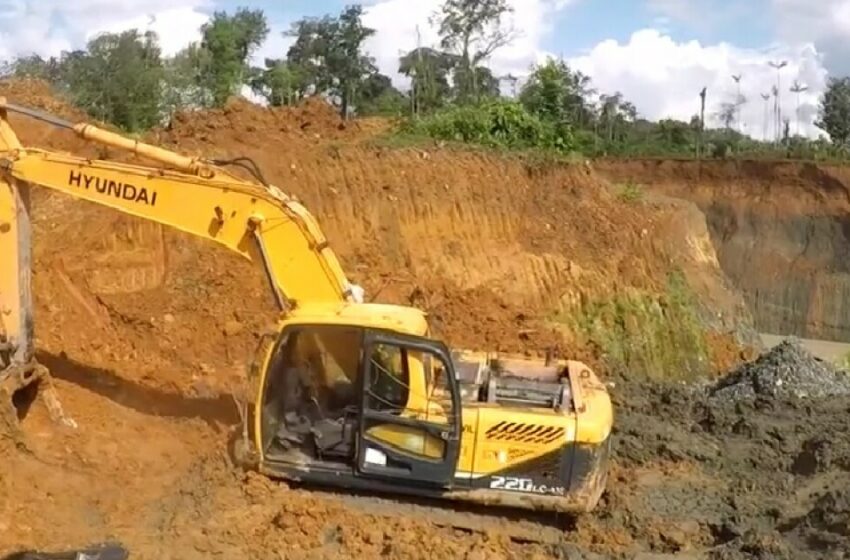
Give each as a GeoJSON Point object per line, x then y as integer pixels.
{"type": "Point", "coordinates": [781, 231]}
{"type": "Point", "coordinates": [147, 333]}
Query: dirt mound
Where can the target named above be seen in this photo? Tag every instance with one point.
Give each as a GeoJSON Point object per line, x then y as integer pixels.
{"type": "Point", "coordinates": [828, 522]}
{"type": "Point", "coordinates": [37, 94]}
{"type": "Point", "coordinates": [312, 122]}
{"type": "Point", "coordinates": [787, 370]}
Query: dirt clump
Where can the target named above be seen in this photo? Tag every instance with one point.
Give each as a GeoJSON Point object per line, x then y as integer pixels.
{"type": "Point", "coordinates": [787, 370]}
{"type": "Point", "coordinates": [311, 123]}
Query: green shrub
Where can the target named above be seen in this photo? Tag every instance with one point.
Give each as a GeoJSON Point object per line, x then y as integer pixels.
{"type": "Point", "coordinates": [497, 123]}
{"type": "Point", "coordinates": [646, 335]}
{"type": "Point", "coordinates": [630, 192]}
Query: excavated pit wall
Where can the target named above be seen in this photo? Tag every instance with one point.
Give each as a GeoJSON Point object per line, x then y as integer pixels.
{"type": "Point", "coordinates": [781, 231]}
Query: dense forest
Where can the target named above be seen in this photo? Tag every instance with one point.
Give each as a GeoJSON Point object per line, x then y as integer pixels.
{"type": "Point", "coordinates": [123, 78]}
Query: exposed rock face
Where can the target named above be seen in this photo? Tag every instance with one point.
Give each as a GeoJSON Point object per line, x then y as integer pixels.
{"type": "Point", "coordinates": [781, 231]}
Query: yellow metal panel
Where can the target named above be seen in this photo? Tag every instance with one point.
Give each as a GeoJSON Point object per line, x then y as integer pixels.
{"type": "Point", "coordinates": [510, 436]}
{"type": "Point", "coordinates": [15, 291]}
{"type": "Point", "coordinates": [407, 320]}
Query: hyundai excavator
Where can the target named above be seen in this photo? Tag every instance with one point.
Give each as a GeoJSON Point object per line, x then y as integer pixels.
{"type": "Point", "coordinates": [343, 393]}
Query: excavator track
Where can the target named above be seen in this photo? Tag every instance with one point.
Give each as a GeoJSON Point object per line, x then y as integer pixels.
{"type": "Point", "coordinates": [521, 526]}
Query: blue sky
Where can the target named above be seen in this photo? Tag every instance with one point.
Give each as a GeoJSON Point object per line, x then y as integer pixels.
{"type": "Point", "coordinates": [589, 22]}
{"type": "Point", "coordinates": [658, 53]}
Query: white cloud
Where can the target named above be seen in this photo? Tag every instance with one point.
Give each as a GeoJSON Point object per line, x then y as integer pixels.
{"type": "Point", "coordinates": [275, 46]}
{"type": "Point", "coordinates": [706, 15]}
{"type": "Point", "coordinates": [397, 23]}
{"type": "Point", "coordinates": [663, 77]}
{"type": "Point", "coordinates": [47, 27]}
{"type": "Point", "coordinates": [175, 27]}
{"type": "Point", "coordinates": [826, 23]}
{"type": "Point", "coordinates": [680, 10]}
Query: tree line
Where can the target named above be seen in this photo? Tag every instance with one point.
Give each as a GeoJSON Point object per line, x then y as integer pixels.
{"type": "Point", "coordinates": [124, 79]}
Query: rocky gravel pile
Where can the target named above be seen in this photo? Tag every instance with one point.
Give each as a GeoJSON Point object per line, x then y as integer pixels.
{"type": "Point", "coordinates": [786, 371]}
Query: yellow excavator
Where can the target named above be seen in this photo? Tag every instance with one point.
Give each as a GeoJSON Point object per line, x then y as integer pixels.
{"type": "Point", "coordinates": [344, 393]}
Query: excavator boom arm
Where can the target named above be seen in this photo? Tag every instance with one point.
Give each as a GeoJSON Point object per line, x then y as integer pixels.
{"type": "Point", "coordinates": [258, 222]}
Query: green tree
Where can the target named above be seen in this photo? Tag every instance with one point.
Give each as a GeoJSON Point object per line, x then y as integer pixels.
{"type": "Point", "coordinates": [378, 96]}
{"type": "Point", "coordinates": [545, 93]}
{"type": "Point", "coordinates": [834, 110]}
{"type": "Point", "coordinates": [472, 30]}
{"type": "Point", "coordinates": [227, 44]}
{"type": "Point", "coordinates": [726, 114]}
{"type": "Point", "coordinates": [34, 66]}
{"type": "Point", "coordinates": [558, 94]}
{"type": "Point", "coordinates": [487, 85]}
{"type": "Point", "coordinates": [428, 70]}
{"type": "Point", "coordinates": [184, 80]}
{"type": "Point", "coordinates": [329, 54]}
{"type": "Point", "coordinates": [674, 135]}
{"type": "Point", "coordinates": [279, 82]}
{"type": "Point", "coordinates": [118, 79]}
{"type": "Point", "coordinates": [349, 65]}
{"type": "Point", "coordinates": [308, 53]}
{"type": "Point", "coordinates": [615, 114]}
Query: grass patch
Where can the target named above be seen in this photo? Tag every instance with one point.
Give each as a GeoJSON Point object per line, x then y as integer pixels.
{"type": "Point", "coordinates": [534, 159]}
{"type": "Point", "coordinates": [630, 193]}
{"type": "Point", "coordinates": [652, 336]}
{"type": "Point", "coordinates": [400, 139]}
{"type": "Point", "coordinates": [843, 362]}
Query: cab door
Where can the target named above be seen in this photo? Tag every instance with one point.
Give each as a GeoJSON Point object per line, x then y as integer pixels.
{"type": "Point", "coordinates": [410, 425]}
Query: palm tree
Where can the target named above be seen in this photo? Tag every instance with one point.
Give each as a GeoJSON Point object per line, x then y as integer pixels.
{"type": "Point", "coordinates": [776, 124]}
{"type": "Point", "coordinates": [778, 108]}
{"type": "Point", "coordinates": [738, 100]}
{"type": "Point", "coordinates": [766, 97]}
{"type": "Point", "coordinates": [798, 88]}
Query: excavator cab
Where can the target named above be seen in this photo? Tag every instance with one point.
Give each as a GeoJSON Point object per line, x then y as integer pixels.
{"type": "Point", "coordinates": [361, 403]}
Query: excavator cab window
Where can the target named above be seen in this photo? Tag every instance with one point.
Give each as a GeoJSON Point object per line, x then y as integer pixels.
{"type": "Point", "coordinates": [389, 383]}
{"type": "Point", "coordinates": [379, 404]}
{"type": "Point", "coordinates": [410, 427]}
{"type": "Point", "coordinates": [311, 397]}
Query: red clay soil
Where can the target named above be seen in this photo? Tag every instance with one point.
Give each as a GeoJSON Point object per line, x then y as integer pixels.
{"type": "Point", "coordinates": [148, 331]}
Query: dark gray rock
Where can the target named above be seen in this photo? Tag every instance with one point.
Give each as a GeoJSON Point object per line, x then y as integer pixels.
{"type": "Point", "coordinates": [786, 371]}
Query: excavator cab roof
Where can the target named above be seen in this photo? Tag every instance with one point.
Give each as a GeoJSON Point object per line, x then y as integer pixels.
{"type": "Point", "coordinates": [406, 320]}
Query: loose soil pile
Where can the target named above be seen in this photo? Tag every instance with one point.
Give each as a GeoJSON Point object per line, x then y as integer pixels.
{"type": "Point", "coordinates": [147, 333]}
{"type": "Point", "coordinates": [788, 370]}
